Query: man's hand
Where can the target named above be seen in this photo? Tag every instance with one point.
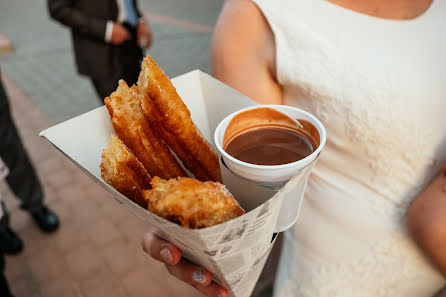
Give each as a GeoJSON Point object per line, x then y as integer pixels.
{"type": "Point", "coordinates": [144, 35]}
{"type": "Point", "coordinates": [119, 34]}
{"type": "Point", "coordinates": [194, 275]}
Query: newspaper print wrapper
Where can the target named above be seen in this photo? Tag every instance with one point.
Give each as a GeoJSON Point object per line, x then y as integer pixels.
{"type": "Point", "coordinates": [235, 251]}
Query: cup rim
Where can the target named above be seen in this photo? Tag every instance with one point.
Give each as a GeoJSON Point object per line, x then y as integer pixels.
{"type": "Point", "coordinates": [309, 158]}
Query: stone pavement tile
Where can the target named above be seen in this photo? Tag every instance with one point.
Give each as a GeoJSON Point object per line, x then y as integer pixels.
{"type": "Point", "coordinates": [200, 11]}
{"type": "Point", "coordinates": [69, 164]}
{"type": "Point", "coordinates": [119, 257]}
{"type": "Point", "coordinates": [144, 260]}
{"type": "Point", "coordinates": [116, 211]}
{"type": "Point", "coordinates": [83, 262]}
{"type": "Point", "coordinates": [85, 181]}
{"type": "Point", "coordinates": [181, 289]}
{"type": "Point", "coordinates": [196, 45]}
{"type": "Point", "coordinates": [20, 220]}
{"type": "Point", "coordinates": [102, 232]}
{"type": "Point", "coordinates": [59, 179]}
{"type": "Point", "coordinates": [151, 277]}
{"type": "Point", "coordinates": [20, 106]}
{"type": "Point", "coordinates": [36, 241]}
{"type": "Point", "coordinates": [16, 266]}
{"type": "Point", "coordinates": [63, 286]}
{"type": "Point", "coordinates": [112, 207]}
{"type": "Point", "coordinates": [47, 265]}
{"type": "Point", "coordinates": [132, 226]}
{"type": "Point", "coordinates": [70, 237]}
{"type": "Point", "coordinates": [130, 223]}
{"type": "Point", "coordinates": [40, 85]}
{"type": "Point", "coordinates": [50, 193]}
{"type": "Point", "coordinates": [45, 181]}
{"type": "Point", "coordinates": [103, 284]}
{"type": "Point", "coordinates": [24, 286]}
{"type": "Point", "coordinates": [153, 266]}
{"type": "Point", "coordinates": [180, 23]}
{"type": "Point", "coordinates": [95, 192]}
{"type": "Point", "coordinates": [120, 214]}
{"type": "Point", "coordinates": [41, 150]}
{"type": "Point", "coordinates": [141, 282]}
{"type": "Point", "coordinates": [50, 165]}
{"type": "Point", "coordinates": [61, 208]}
{"type": "Point", "coordinates": [139, 230]}
{"type": "Point", "coordinates": [72, 194]}
{"type": "Point", "coordinates": [12, 203]}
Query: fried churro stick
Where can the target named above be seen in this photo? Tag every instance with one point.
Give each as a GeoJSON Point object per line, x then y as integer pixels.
{"type": "Point", "coordinates": [152, 113]}
{"type": "Point", "coordinates": [164, 105]}
{"type": "Point", "coordinates": [122, 170]}
{"type": "Point", "coordinates": [135, 131]}
{"type": "Point", "coordinates": [192, 203]}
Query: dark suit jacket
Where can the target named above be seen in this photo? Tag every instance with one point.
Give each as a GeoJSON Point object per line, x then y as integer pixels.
{"type": "Point", "coordinates": [87, 20]}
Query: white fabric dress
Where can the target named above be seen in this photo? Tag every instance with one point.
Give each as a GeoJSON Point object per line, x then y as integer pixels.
{"type": "Point", "coordinates": [379, 87]}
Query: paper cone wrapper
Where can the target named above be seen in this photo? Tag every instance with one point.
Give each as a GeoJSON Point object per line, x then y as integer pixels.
{"type": "Point", "coordinates": [235, 251]}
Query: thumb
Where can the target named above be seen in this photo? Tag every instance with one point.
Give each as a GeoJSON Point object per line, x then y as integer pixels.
{"type": "Point", "coordinates": [161, 250]}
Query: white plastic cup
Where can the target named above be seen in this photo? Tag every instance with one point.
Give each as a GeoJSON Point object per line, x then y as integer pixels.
{"type": "Point", "coordinates": [272, 175]}
{"type": "Point", "coordinates": [290, 178]}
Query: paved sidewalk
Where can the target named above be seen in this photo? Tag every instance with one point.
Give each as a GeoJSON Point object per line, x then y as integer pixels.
{"type": "Point", "coordinates": [97, 251]}
{"type": "Point", "coordinates": [42, 62]}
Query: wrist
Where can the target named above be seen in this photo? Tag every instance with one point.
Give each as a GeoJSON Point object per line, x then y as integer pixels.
{"type": "Point", "coordinates": [108, 31]}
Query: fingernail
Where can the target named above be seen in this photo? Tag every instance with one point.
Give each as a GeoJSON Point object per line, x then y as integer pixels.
{"type": "Point", "coordinates": [199, 276]}
{"type": "Point", "coordinates": [166, 255]}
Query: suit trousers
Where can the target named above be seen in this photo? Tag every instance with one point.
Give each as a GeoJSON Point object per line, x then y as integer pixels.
{"type": "Point", "coordinates": [127, 61]}
{"type": "Point", "coordinates": [4, 288]}
{"type": "Point", "coordinates": [22, 178]}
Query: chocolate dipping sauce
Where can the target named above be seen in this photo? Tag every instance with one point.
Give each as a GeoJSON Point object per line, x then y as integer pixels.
{"type": "Point", "coordinates": [265, 136]}
{"type": "Point", "coordinates": [269, 146]}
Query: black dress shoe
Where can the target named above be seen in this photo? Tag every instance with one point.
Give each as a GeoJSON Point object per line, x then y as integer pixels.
{"type": "Point", "coordinates": [10, 242]}
{"type": "Point", "coordinates": [46, 219]}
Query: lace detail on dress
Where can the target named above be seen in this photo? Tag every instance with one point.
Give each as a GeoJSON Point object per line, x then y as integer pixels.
{"type": "Point", "coordinates": [369, 275]}
{"type": "Point", "coordinates": [385, 141]}
{"type": "Point", "coordinates": [379, 121]}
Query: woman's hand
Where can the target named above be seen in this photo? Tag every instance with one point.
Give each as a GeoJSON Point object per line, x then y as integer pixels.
{"type": "Point", "coordinates": [194, 275]}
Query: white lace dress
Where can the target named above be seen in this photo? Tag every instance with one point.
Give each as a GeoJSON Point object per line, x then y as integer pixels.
{"type": "Point", "coordinates": [379, 87]}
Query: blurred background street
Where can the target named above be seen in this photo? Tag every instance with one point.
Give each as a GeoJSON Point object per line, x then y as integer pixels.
{"type": "Point", "coordinates": [42, 61]}
{"type": "Point", "coordinates": [97, 251]}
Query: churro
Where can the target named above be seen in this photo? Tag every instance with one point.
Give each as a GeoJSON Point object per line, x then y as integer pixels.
{"type": "Point", "coordinates": [162, 106]}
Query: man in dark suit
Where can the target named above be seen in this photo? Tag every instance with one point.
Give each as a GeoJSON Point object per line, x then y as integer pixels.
{"type": "Point", "coordinates": [107, 39]}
